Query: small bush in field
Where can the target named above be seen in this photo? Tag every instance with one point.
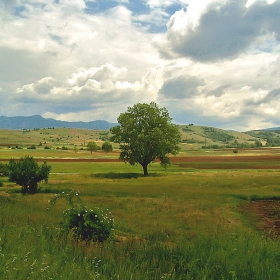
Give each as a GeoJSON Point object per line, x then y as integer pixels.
{"type": "Point", "coordinates": [28, 174]}
{"type": "Point", "coordinates": [88, 224]}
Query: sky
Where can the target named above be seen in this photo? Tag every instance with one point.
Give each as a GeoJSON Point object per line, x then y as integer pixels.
{"type": "Point", "coordinates": [209, 62]}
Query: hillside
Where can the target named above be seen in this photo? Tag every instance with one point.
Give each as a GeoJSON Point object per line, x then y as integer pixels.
{"type": "Point", "coordinates": [213, 138]}
{"type": "Point", "coordinates": [193, 138]}
{"type": "Point", "coordinates": [51, 137]}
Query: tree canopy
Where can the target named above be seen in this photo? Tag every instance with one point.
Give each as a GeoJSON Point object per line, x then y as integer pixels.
{"type": "Point", "coordinates": [92, 146]}
{"type": "Point", "coordinates": [107, 147]}
{"type": "Point", "coordinates": [145, 133]}
{"type": "Point", "coordinates": [27, 173]}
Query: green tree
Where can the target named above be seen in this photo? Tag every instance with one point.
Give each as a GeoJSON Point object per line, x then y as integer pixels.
{"type": "Point", "coordinates": [75, 149]}
{"type": "Point", "coordinates": [4, 170]}
{"type": "Point", "coordinates": [258, 143]}
{"type": "Point", "coordinates": [92, 146]}
{"type": "Point", "coordinates": [107, 147]}
{"type": "Point", "coordinates": [145, 133]}
{"type": "Point", "coordinates": [27, 173]}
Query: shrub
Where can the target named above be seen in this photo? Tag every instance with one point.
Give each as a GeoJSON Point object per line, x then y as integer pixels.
{"type": "Point", "coordinates": [4, 169]}
{"type": "Point", "coordinates": [32, 147]}
{"type": "Point", "coordinates": [107, 147]}
{"type": "Point", "coordinates": [27, 173]}
{"type": "Point", "coordinates": [87, 224]}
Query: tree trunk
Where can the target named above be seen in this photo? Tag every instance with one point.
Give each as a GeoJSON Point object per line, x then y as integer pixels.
{"type": "Point", "coordinates": [145, 169]}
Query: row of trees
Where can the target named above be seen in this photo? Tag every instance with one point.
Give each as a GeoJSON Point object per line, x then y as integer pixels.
{"type": "Point", "coordinates": [236, 145]}
{"type": "Point", "coordinates": [106, 146]}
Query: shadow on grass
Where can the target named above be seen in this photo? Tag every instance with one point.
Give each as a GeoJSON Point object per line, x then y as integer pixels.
{"type": "Point", "coordinates": [114, 175]}
{"type": "Point", "coordinates": [53, 190]}
{"type": "Point", "coordinates": [42, 190]}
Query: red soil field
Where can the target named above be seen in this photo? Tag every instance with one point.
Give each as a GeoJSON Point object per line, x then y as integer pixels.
{"type": "Point", "coordinates": [265, 215]}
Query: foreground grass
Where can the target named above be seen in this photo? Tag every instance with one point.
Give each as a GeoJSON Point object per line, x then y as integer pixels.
{"type": "Point", "coordinates": [176, 224]}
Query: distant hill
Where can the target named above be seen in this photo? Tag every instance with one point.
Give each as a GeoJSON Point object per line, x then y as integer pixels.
{"type": "Point", "coordinates": [272, 128]}
{"type": "Point", "coordinates": [17, 123]}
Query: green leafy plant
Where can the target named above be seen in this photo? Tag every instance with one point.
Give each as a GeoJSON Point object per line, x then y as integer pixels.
{"type": "Point", "coordinates": [28, 173]}
{"type": "Point", "coordinates": [92, 146]}
{"type": "Point", "coordinates": [107, 147]}
{"type": "Point", "coordinates": [86, 223]}
{"type": "Point", "coordinates": [4, 170]}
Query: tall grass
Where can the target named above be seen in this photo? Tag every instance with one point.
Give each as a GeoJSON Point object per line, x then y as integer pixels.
{"type": "Point", "coordinates": [173, 225]}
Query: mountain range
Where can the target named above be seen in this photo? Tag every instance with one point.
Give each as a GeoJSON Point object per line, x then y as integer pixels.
{"type": "Point", "coordinates": [36, 121]}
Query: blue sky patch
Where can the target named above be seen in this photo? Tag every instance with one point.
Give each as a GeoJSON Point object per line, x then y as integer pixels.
{"type": "Point", "coordinates": [19, 10]}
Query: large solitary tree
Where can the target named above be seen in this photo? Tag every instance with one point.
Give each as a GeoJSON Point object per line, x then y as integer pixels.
{"type": "Point", "coordinates": [28, 173]}
{"type": "Point", "coordinates": [145, 133]}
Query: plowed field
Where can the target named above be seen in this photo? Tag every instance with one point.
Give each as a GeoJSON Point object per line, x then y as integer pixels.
{"type": "Point", "coordinates": [265, 215]}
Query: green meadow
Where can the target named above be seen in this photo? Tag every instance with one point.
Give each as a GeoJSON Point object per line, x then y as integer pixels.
{"type": "Point", "coordinates": [178, 223]}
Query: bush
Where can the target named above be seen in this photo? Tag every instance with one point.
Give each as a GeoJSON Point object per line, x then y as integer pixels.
{"type": "Point", "coordinates": [4, 169]}
{"type": "Point", "coordinates": [27, 173]}
{"type": "Point", "coordinates": [33, 147]}
{"type": "Point", "coordinates": [87, 224]}
{"type": "Point", "coordinates": [92, 224]}
{"type": "Point", "coordinates": [107, 147]}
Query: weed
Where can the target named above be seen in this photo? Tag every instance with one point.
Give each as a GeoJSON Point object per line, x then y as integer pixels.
{"type": "Point", "coordinates": [87, 224]}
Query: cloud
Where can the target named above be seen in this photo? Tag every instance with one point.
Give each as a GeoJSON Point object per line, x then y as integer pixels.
{"type": "Point", "coordinates": [218, 30]}
{"type": "Point", "coordinates": [219, 91]}
{"type": "Point", "coordinates": [181, 87]}
{"type": "Point", "coordinates": [106, 75]}
{"type": "Point", "coordinates": [263, 98]}
{"type": "Point", "coordinates": [9, 4]}
{"type": "Point", "coordinates": [84, 90]}
{"type": "Point", "coordinates": [216, 62]}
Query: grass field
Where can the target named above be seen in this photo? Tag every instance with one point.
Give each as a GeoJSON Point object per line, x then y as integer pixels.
{"type": "Point", "coordinates": [194, 137]}
{"type": "Point", "coordinates": [184, 222]}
